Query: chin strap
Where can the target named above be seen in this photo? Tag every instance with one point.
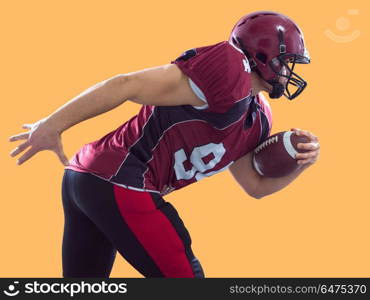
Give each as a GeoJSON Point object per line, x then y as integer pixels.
{"type": "Point", "coordinates": [278, 89]}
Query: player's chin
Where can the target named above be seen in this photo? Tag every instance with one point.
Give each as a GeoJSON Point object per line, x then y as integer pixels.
{"type": "Point", "coordinates": [274, 92]}
{"type": "Point", "coordinates": [267, 87]}
{"type": "Point", "coordinates": [269, 91]}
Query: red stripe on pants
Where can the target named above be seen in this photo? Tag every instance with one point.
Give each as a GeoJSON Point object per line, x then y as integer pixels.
{"type": "Point", "coordinates": [154, 231]}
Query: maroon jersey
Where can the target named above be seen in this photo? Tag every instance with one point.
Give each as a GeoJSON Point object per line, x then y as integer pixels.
{"type": "Point", "coordinates": [164, 148]}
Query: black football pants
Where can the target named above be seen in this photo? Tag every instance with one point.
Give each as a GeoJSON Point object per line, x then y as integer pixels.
{"type": "Point", "coordinates": [101, 218]}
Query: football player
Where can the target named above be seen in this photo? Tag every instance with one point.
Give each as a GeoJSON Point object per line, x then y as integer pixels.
{"type": "Point", "coordinates": [201, 114]}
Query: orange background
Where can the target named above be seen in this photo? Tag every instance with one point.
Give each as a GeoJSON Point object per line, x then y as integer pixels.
{"type": "Point", "coordinates": [318, 226]}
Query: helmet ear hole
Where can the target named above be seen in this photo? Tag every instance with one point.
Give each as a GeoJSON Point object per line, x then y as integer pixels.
{"type": "Point", "coordinates": [262, 57]}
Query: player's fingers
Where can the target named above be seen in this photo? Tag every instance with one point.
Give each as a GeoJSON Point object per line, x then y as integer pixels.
{"type": "Point", "coordinates": [306, 155]}
{"type": "Point", "coordinates": [27, 156]}
{"type": "Point", "coordinates": [305, 133]}
{"type": "Point", "coordinates": [300, 132]}
{"type": "Point", "coordinates": [306, 161]}
{"type": "Point", "coordinates": [20, 136]}
{"type": "Point", "coordinates": [27, 126]}
{"type": "Point", "coordinates": [312, 136]}
{"type": "Point", "coordinates": [295, 129]}
{"type": "Point", "coordinates": [308, 146]}
{"type": "Point", "coordinates": [62, 157]}
{"type": "Point", "coordinates": [309, 134]}
{"type": "Point", "coordinates": [20, 148]}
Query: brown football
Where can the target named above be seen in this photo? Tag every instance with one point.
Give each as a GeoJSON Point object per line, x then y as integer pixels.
{"type": "Point", "coordinates": [275, 157]}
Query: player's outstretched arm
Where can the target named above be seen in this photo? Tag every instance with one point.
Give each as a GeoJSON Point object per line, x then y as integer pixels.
{"type": "Point", "coordinates": [259, 186]}
{"type": "Point", "coordinates": [163, 85]}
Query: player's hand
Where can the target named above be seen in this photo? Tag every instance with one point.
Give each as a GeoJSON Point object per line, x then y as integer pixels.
{"type": "Point", "coordinates": [310, 157]}
{"type": "Point", "coordinates": [41, 136]}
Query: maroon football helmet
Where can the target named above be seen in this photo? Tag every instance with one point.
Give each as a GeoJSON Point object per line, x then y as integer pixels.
{"type": "Point", "coordinates": [273, 44]}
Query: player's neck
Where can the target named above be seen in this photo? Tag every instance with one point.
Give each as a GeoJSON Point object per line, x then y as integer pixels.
{"type": "Point", "coordinates": [258, 84]}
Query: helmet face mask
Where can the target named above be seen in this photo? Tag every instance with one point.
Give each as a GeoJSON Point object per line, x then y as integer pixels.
{"type": "Point", "coordinates": [283, 66]}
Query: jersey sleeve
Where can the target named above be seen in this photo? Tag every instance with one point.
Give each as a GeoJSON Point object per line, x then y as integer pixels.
{"type": "Point", "coordinates": [217, 74]}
